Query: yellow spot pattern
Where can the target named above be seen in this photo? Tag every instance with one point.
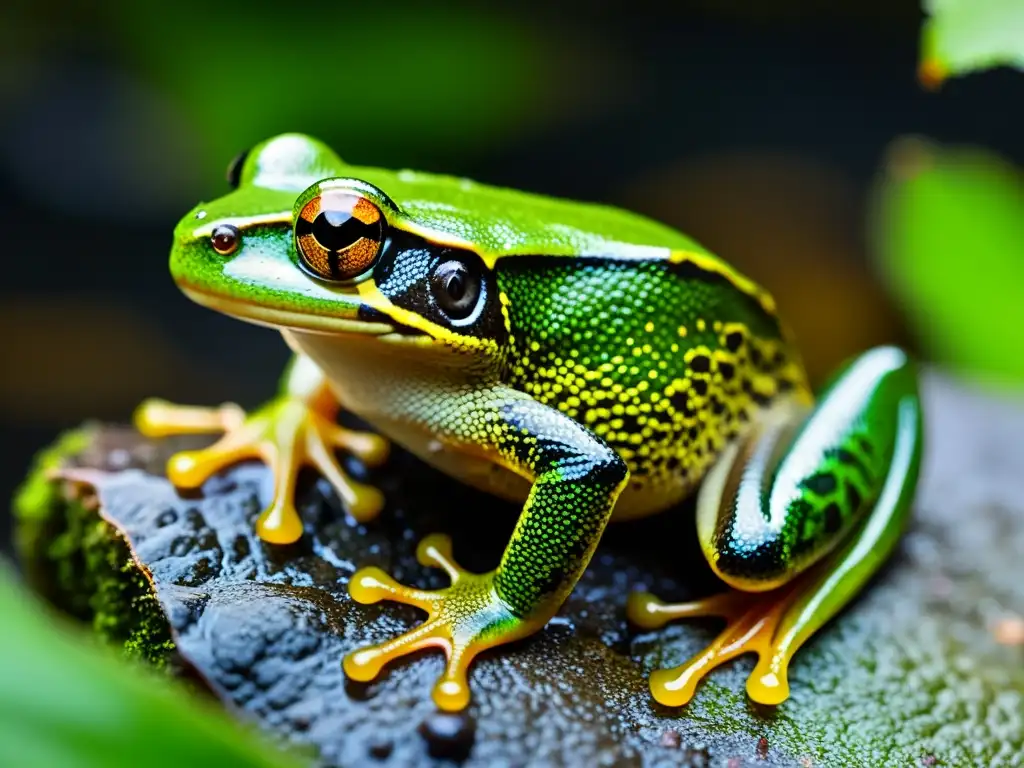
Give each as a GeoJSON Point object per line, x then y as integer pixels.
{"type": "Point", "coordinates": [611, 357]}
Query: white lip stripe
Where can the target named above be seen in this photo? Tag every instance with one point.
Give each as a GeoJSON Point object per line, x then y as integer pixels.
{"type": "Point", "coordinates": [283, 318]}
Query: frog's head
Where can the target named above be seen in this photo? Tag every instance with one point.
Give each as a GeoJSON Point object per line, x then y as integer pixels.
{"type": "Point", "coordinates": [306, 242]}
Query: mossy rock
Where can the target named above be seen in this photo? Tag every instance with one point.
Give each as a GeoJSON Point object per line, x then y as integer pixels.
{"type": "Point", "coordinates": [925, 668]}
{"type": "Point", "coordinates": [82, 564]}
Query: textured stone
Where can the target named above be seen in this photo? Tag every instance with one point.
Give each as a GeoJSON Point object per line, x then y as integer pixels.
{"type": "Point", "coordinates": [913, 673]}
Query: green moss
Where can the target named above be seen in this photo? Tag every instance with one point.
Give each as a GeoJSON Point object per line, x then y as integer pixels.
{"type": "Point", "coordinates": [80, 563]}
{"type": "Point", "coordinates": [36, 505]}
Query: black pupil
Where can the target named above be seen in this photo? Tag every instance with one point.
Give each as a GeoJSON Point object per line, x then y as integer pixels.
{"type": "Point", "coordinates": [457, 288]}
{"type": "Point", "coordinates": [456, 285]}
{"type": "Point", "coordinates": [337, 230]}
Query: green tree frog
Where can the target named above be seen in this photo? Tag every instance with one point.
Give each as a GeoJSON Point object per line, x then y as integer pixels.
{"type": "Point", "coordinates": [588, 362]}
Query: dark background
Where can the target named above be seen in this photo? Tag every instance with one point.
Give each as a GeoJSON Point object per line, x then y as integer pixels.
{"type": "Point", "coordinates": [758, 128]}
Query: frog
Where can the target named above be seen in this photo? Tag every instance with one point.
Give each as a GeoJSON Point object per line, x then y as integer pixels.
{"type": "Point", "coordinates": [583, 361]}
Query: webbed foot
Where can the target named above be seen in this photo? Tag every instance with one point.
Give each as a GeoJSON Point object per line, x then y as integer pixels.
{"type": "Point", "coordinates": [758, 623]}
{"type": "Point", "coordinates": [463, 619]}
{"type": "Point", "coordinates": [287, 434]}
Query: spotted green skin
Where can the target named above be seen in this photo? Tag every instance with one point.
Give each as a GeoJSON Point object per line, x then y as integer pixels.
{"type": "Point", "coordinates": [614, 363]}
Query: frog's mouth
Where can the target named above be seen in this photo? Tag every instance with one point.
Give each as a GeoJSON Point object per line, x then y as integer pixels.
{"type": "Point", "coordinates": [361, 320]}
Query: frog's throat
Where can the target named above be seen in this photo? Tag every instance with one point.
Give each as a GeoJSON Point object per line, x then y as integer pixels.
{"type": "Point", "coordinates": [275, 317]}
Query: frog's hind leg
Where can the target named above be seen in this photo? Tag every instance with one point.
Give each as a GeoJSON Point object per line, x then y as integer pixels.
{"type": "Point", "coordinates": [295, 429]}
{"type": "Point", "coordinates": [797, 517]}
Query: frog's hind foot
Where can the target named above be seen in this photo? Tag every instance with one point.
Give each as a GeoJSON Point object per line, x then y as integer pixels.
{"type": "Point", "coordinates": [755, 623]}
{"type": "Point", "coordinates": [462, 620]}
{"type": "Point", "coordinates": [287, 434]}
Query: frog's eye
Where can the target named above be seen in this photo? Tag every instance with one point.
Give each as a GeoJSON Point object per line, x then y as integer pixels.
{"type": "Point", "coordinates": [339, 234]}
{"type": "Point", "coordinates": [225, 239]}
{"type": "Point", "coordinates": [234, 173]}
{"type": "Point", "coordinates": [456, 287]}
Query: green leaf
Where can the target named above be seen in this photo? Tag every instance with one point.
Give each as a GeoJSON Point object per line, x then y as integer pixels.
{"type": "Point", "coordinates": [65, 702]}
{"type": "Point", "coordinates": [949, 236]}
{"type": "Point", "coordinates": [961, 36]}
{"type": "Point", "coordinates": [370, 80]}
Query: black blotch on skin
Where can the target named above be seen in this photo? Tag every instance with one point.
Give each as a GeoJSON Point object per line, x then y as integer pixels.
{"type": "Point", "coordinates": [833, 518]}
{"type": "Point", "coordinates": [854, 496]}
{"type": "Point", "coordinates": [728, 370]}
{"type": "Point", "coordinates": [734, 340]}
{"type": "Point", "coordinates": [681, 402]}
{"type": "Point", "coordinates": [700, 387]}
{"type": "Point", "coordinates": [737, 557]}
{"type": "Point", "coordinates": [850, 459]}
{"type": "Point", "coordinates": [700, 364]}
{"type": "Point", "coordinates": [802, 545]}
{"type": "Point", "coordinates": [822, 484]}
{"type": "Point", "coordinates": [555, 579]}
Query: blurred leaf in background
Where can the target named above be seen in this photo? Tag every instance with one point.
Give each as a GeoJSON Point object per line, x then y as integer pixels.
{"type": "Point", "coordinates": [66, 702]}
{"type": "Point", "coordinates": [169, 93]}
{"type": "Point", "coordinates": [949, 232]}
{"type": "Point", "coordinates": [962, 36]}
{"type": "Point", "coordinates": [412, 73]}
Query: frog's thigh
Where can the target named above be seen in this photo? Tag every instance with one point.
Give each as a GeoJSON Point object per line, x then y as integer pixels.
{"type": "Point", "coordinates": [799, 483]}
{"type": "Point", "coordinates": [781, 501]}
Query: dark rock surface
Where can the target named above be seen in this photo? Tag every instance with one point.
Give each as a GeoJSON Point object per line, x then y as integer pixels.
{"type": "Point", "coordinates": [919, 671]}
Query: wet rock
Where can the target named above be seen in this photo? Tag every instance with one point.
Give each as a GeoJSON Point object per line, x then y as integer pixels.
{"type": "Point", "coordinates": [671, 739]}
{"type": "Point", "coordinates": [381, 748]}
{"type": "Point", "coordinates": [919, 667]}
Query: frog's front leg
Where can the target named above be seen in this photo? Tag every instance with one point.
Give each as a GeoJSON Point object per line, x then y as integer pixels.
{"type": "Point", "coordinates": [576, 480]}
{"type": "Point", "coordinates": [294, 429]}
{"type": "Point", "coordinates": [797, 517]}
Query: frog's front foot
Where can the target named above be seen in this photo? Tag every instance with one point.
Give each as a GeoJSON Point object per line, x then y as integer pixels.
{"type": "Point", "coordinates": [287, 433]}
{"type": "Point", "coordinates": [755, 623]}
{"type": "Point", "coordinates": [463, 620]}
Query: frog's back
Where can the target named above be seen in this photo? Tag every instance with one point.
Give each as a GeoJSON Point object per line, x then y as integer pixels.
{"type": "Point", "coordinates": [665, 360]}
{"type": "Point", "coordinates": [498, 222]}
